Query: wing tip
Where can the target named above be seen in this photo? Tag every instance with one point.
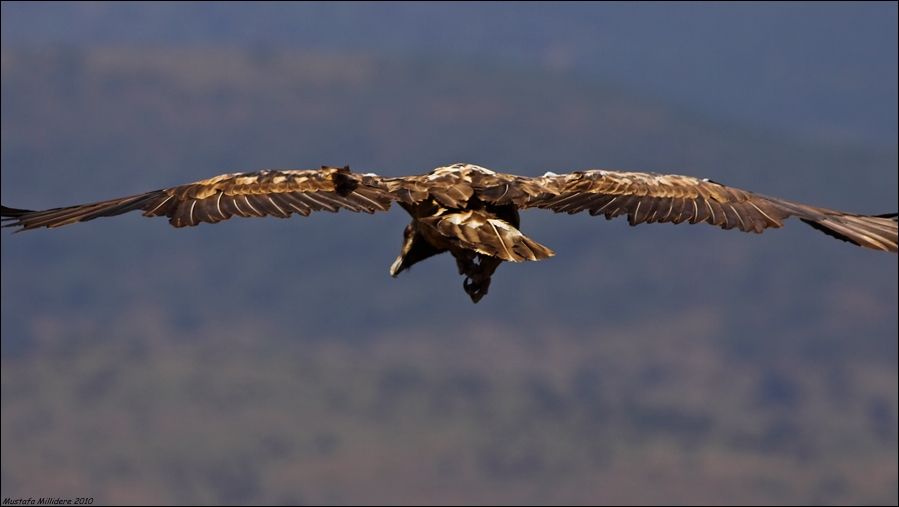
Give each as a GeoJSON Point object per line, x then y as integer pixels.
{"type": "Point", "coordinates": [12, 217]}
{"type": "Point", "coordinates": [866, 231]}
{"type": "Point", "coordinates": [8, 213]}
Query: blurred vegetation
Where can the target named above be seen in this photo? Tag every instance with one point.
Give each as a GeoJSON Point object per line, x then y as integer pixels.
{"type": "Point", "coordinates": [263, 361]}
{"type": "Point", "coordinates": [488, 414]}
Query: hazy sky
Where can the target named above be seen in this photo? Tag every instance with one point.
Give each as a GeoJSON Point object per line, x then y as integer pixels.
{"type": "Point", "coordinates": [820, 71]}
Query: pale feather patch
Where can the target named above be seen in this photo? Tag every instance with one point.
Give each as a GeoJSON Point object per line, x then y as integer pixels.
{"type": "Point", "coordinates": [276, 206]}
{"type": "Point", "coordinates": [167, 199]}
{"type": "Point", "coordinates": [247, 201]}
{"type": "Point", "coordinates": [742, 223]}
{"type": "Point", "coordinates": [499, 236]}
{"type": "Point", "coordinates": [246, 180]}
{"type": "Point", "coordinates": [193, 205]}
{"type": "Point", "coordinates": [218, 205]}
{"type": "Point", "coordinates": [775, 223]}
{"type": "Point", "coordinates": [321, 203]}
{"type": "Point", "coordinates": [712, 211]}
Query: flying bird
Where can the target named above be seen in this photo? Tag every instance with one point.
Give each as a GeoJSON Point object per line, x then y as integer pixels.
{"type": "Point", "coordinates": [472, 212]}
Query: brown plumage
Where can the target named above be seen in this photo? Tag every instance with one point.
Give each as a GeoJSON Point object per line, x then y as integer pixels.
{"type": "Point", "coordinates": [470, 211]}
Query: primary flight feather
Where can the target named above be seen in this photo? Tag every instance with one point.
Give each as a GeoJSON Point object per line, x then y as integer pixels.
{"type": "Point", "coordinates": [470, 211]}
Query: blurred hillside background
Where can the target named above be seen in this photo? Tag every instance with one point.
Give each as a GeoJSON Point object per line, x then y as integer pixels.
{"type": "Point", "coordinates": [276, 361]}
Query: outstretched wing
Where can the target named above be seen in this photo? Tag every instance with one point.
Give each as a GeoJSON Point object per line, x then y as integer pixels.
{"type": "Point", "coordinates": [649, 198]}
{"type": "Point", "coordinates": [264, 193]}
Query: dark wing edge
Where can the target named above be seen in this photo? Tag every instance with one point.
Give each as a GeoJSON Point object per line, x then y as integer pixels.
{"type": "Point", "coordinates": [877, 232]}
{"type": "Point", "coordinates": [264, 193]}
{"type": "Point", "coordinates": [652, 198]}
{"type": "Point", "coordinates": [56, 217]}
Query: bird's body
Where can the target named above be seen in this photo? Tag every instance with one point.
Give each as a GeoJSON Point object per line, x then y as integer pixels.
{"type": "Point", "coordinates": [472, 212]}
{"type": "Point", "coordinates": [478, 234]}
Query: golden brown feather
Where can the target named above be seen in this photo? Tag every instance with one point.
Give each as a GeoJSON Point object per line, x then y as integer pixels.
{"type": "Point", "coordinates": [470, 211]}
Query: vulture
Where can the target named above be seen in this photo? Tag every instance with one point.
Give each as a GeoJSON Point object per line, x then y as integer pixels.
{"type": "Point", "coordinates": [472, 212]}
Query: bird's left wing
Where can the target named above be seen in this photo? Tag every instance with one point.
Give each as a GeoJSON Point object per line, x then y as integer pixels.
{"type": "Point", "coordinates": [263, 193]}
{"type": "Point", "coordinates": [649, 198]}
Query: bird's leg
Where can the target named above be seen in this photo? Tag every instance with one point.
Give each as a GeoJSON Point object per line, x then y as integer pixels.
{"type": "Point", "coordinates": [477, 269]}
{"type": "Point", "coordinates": [465, 261]}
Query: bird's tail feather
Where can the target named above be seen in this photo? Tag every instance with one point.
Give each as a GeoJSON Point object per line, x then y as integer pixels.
{"type": "Point", "coordinates": [487, 235]}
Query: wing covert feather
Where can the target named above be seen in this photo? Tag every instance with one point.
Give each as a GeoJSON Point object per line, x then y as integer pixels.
{"type": "Point", "coordinates": [652, 198]}
{"type": "Point", "coordinates": [264, 193]}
